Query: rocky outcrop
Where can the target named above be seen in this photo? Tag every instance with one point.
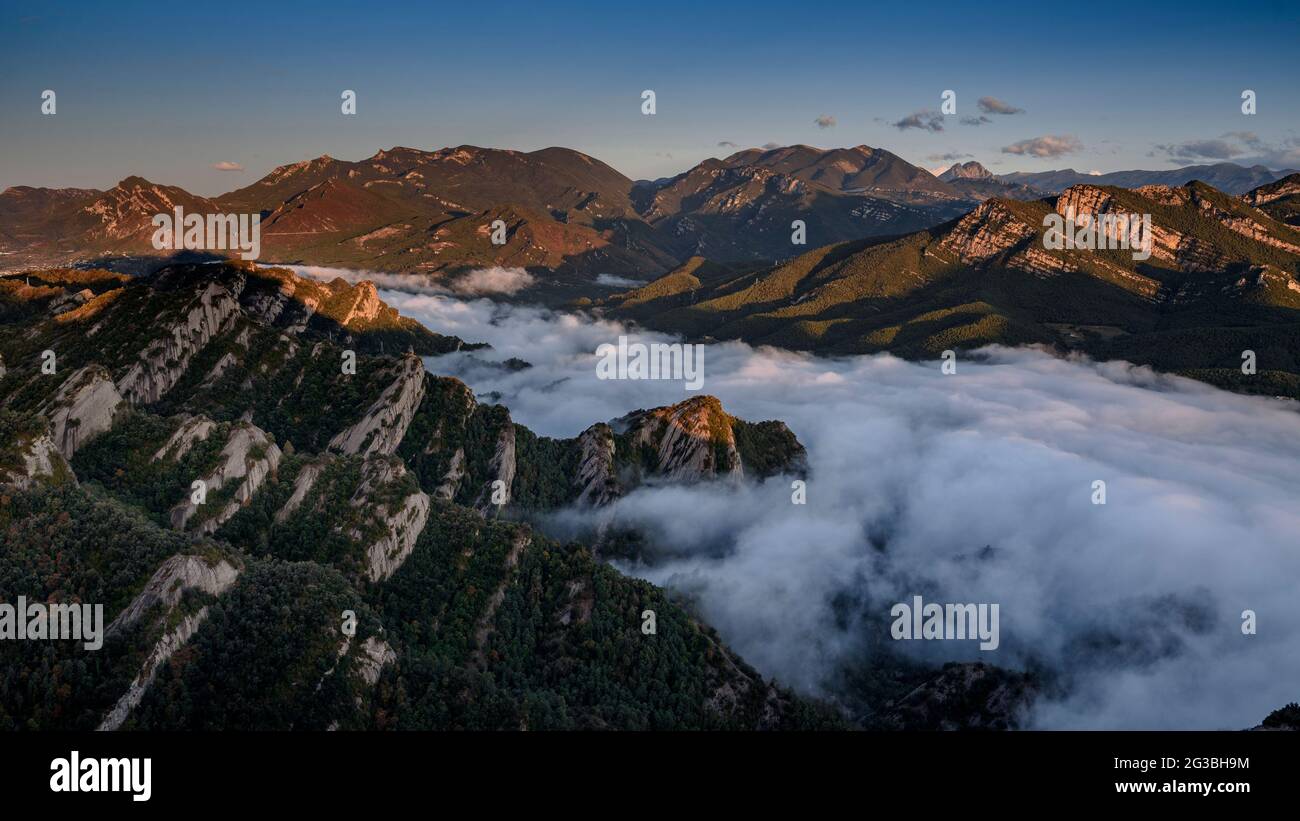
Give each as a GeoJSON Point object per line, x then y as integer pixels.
{"type": "Point", "coordinates": [501, 469]}
{"type": "Point", "coordinates": [986, 232]}
{"type": "Point", "coordinates": [375, 653]}
{"type": "Point", "coordinates": [302, 485]}
{"type": "Point", "coordinates": [363, 305]}
{"type": "Point", "coordinates": [162, 650]}
{"type": "Point", "coordinates": [83, 408]}
{"type": "Point", "coordinates": [446, 491]}
{"type": "Point", "coordinates": [171, 579]}
{"type": "Point", "coordinates": [193, 429]}
{"type": "Point", "coordinates": [164, 360]}
{"type": "Point", "coordinates": [596, 475]}
{"type": "Point", "coordinates": [381, 428]}
{"type": "Point", "coordinates": [247, 459]}
{"type": "Point", "coordinates": [38, 460]}
{"type": "Point", "coordinates": [400, 523]}
{"type": "Point", "coordinates": [692, 439]}
{"type": "Point", "coordinates": [166, 587]}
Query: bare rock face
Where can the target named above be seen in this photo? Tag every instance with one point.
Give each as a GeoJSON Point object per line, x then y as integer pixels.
{"type": "Point", "coordinates": [401, 523]}
{"type": "Point", "coordinates": [158, 655]}
{"type": "Point", "coordinates": [500, 469]}
{"type": "Point", "coordinates": [170, 580]}
{"type": "Point", "coordinates": [162, 364]}
{"type": "Point", "coordinates": [451, 479]}
{"type": "Point", "coordinates": [693, 439]}
{"type": "Point", "coordinates": [374, 655]}
{"type": "Point", "coordinates": [193, 430]}
{"type": "Point", "coordinates": [381, 429]}
{"type": "Point", "coordinates": [84, 407]}
{"type": "Point", "coordinates": [986, 232]}
{"type": "Point", "coordinates": [40, 461]}
{"type": "Point", "coordinates": [302, 485]}
{"type": "Point", "coordinates": [596, 472]}
{"type": "Point", "coordinates": [166, 587]}
{"type": "Point", "coordinates": [364, 304]}
{"type": "Point", "coordinates": [247, 460]}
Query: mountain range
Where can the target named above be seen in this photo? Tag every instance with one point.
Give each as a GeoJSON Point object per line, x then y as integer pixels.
{"type": "Point", "coordinates": [1223, 277]}
{"type": "Point", "coordinates": [569, 218]}
{"type": "Point", "coordinates": [358, 555]}
{"type": "Point", "coordinates": [1225, 176]}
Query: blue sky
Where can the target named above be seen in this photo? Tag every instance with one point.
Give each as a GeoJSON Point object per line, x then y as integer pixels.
{"type": "Point", "coordinates": [169, 90]}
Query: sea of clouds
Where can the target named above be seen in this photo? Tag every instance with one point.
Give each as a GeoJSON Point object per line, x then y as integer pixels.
{"type": "Point", "coordinates": [972, 487]}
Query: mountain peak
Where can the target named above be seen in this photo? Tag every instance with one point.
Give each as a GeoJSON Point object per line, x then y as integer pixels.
{"type": "Point", "coordinates": [966, 171]}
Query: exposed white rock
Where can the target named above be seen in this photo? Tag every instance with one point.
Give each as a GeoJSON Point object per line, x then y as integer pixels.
{"type": "Point", "coordinates": [248, 457]}
{"type": "Point", "coordinates": [171, 579]}
{"type": "Point", "coordinates": [166, 586]}
{"type": "Point", "coordinates": [596, 477]}
{"type": "Point", "coordinates": [683, 435]}
{"type": "Point", "coordinates": [451, 479]}
{"type": "Point", "coordinates": [381, 429]}
{"type": "Point", "coordinates": [302, 485]}
{"type": "Point", "coordinates": [193, 430]}
{"type": "Point", "coordinates": [374, 655]}
{"type": "Point", "coordinates": [402, 527]}
{"type": "Point", "coordinates": [501, 468]}
{"type": "Point", "coordinates": [40, 460]}
{"type": "Point", "coordinates": [163, 650]}
{"type": "Point", "coordinates": [165, 360]}
{"type": "Point", "coordinates": [84, 407]}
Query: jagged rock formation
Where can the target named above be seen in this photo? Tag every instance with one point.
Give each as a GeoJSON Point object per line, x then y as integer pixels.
{"type": "Point", "coordinates": [383, 524]}
{"type": "Point", "coordinates": [385, 422]}
{"type": "Point", "coordinates": [165, 588]}
{"type": "Point", "coordinates": [193, 430]}
{"type": "Point", "coordinates": [31, 458]}
{"type": "Point", "coordinates": [401, 521]}
{"type": "Point", "coordinates": [500, 469]}
{"type": "Point", "coordinates": [172, 579]}
{"type": "Point", "coordinates": [165, 360]}
{"type": "Point", "coordinates": [248, 457]}
{"type": "Point", "coordinates": [597, 478]}
{"type": "Point", "coordinates": [83, 408]}
{"type": "Point", "coordinates": [692, 440]}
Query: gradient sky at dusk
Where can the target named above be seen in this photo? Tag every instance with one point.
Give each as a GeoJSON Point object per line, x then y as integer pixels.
{"type": "Point", "coordinates": [169, 90]}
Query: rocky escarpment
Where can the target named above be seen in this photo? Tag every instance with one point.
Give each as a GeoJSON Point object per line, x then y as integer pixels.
{"type": "Point", "coordinates": [171, 580]}
{"type": "Point", "coordinates": [192, 430]}
{"type": "Point", "coordinates": [381, 428]}
{"type": "Point", "coordinates": [989, 230]}
{"type": "Point", "coordinates": [165, 360]}
{"type": "Point", "coordinates": [30, 456]}
{"type": "Point", "coordinates": [165, 588]}
{"type": "Point", "coordinates": [597, 477]}
{"type": "Point", "coordinates": [399, 521]}
{"type": "Point", "coordinates": [691, 440]}
{"type": "Point", "coordinates": [84, 407]}
{"type": "Point", "coordinates": [500, 469]}
{"type": "Point", "coordinates": [249, 456]}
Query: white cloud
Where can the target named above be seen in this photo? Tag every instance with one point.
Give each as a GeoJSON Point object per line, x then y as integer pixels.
{"type": "Point", "coordinates": [1136, 604]}
{"type": "Point", "coordinates": [1046, 146]}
